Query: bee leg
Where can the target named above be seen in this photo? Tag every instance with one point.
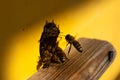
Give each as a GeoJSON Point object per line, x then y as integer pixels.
{"type": "Point", "coordinates": [69, 49]}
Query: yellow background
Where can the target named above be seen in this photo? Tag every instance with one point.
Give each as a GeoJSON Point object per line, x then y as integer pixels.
{"type": "Point", "coordinates": [90, 19]}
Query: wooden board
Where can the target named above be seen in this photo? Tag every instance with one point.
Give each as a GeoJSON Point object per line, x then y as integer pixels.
{"type": "Point", "coordinates": [96, 57]}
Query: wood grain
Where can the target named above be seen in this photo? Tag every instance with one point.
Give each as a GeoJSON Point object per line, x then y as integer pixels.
{"type": "Point", "coordinates": [88, 65]}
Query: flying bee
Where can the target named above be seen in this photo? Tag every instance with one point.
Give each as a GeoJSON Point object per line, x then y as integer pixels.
{"type": "Point", "coordinates": [71, 40]}
{"type": "Point", "coordinates": [49, 50]}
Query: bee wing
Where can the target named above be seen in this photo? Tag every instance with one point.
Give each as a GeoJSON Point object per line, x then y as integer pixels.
{"type": "Point", "coordinates": [69, 49]}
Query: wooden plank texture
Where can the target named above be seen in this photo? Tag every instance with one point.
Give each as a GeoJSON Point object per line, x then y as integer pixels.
{"type": "Point", "coordinates": [96, 57]}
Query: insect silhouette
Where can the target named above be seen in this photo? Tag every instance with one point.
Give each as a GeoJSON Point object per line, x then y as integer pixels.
{"type": "Point", "coordinates": [49, 50]}
{"type": "Point", "coordinates": [71, 40]}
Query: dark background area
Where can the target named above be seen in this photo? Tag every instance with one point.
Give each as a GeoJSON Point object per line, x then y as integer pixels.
{"type": "Point", "coordinates": [20, 13]}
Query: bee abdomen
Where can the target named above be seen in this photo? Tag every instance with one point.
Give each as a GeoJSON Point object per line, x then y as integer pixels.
{"type": "Point", "coordinates": [77, 46]}
{"type": "Point", "coordinates": [61, 54]}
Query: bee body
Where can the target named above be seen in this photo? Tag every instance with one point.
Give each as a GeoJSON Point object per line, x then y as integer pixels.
{"type": "Point", "coordinates": [49, 50]}
{"type": "Point", "coordinates": [77, 46]}
{"type": "Point", "coordinates": [71, 40]}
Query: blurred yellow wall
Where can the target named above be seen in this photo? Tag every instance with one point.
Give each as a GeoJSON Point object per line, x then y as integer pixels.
{"type": "Point", "coordinates": [95, 19]}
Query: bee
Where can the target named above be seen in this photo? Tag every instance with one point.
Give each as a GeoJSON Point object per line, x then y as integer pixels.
{"type": "Point", "coordinates": [58, 53]}
{"type": "Point", "coordinates": [49, 50]}
{"type": "Point", "coordinates": [71, 40]}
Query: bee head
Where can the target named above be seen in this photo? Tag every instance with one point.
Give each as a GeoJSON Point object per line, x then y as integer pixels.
{"type": "Point", "coordinates": [69, 38]}
{"type": "Point", "coordinates": [51, 28]}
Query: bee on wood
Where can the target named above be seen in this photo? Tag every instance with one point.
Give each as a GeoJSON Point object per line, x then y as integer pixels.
{"type": "Point", "coordinates": [71, 40]}
{"type": "Point", "coordinates": [49, 50]}
{"type": "Point", "coordinates": [59, 53]}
